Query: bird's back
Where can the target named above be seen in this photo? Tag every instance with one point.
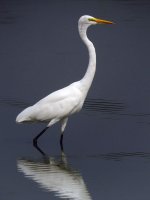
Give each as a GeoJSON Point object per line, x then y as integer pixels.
{"type": "Point", "coordinates": [59, 104]}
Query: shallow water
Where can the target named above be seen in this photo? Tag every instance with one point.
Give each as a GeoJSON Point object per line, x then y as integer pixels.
{"type": "Point", "coordinates": [106, 146]}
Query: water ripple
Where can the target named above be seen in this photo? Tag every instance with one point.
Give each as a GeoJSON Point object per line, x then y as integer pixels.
{"type": "Point", "coordinates": [103, 105]}
{"type": "Point", "coordinates": [122, 155]}
{"type": "Point", "coordinates": [7, 14]}
{"type": "Point", "coordinates": [13, 102]}
{"type": "Point", "coordinates": [114, 109]}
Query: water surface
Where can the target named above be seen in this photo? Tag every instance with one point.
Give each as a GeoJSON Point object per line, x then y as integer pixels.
{"type": "Point", "coordinates": [106, 146]}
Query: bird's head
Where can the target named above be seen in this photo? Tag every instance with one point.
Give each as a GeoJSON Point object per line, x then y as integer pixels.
{"type": "Point", "coordinates": [89, 20]}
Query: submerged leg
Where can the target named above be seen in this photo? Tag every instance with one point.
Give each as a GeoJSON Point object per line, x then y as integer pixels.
{"type": "Point", "coordinates": [39, 149]}
{"type": "Point", "coordinates": [63, 126]}
{"type": "Point", "coordinates": [61, 142]}
{"type": "Point", "coordinates": [39, 135]}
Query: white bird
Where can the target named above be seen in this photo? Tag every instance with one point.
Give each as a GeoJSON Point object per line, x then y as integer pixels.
{"type": "Point", "coordinates": [59, 105]}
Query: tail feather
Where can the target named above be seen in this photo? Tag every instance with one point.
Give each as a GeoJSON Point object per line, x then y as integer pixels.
{"type": "Point", "coordinates": [25, 115]}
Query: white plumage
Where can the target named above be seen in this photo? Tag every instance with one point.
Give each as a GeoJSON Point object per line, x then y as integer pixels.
{"type": "Point", "coordinates": [59, 105]}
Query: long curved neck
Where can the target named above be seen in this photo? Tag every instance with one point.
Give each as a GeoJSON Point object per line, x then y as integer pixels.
{"type": "Point", "coordinates": [86, 81]}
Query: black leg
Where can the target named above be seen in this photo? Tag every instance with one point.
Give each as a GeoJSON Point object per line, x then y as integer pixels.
{"type": "Point", "coordinates": [61, 142]}
{"type": "Point", "coordinates": [39, 149]}
{"type": "Point", "coordinates": [36, 138]}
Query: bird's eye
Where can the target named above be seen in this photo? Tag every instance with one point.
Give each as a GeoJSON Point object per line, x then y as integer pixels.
{"type": "Point", "coordinates": [91, 19]}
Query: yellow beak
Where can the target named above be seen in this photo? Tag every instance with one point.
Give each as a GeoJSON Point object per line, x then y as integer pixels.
{"type": "Point", "coordinates": [101, 21]}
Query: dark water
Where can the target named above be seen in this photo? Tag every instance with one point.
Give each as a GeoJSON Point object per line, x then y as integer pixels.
{"type": "Point", "coordinates": [107, 145]}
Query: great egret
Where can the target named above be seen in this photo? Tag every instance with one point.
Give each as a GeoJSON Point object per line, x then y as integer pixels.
{"type": "Point", "coordinates": [59, 105]}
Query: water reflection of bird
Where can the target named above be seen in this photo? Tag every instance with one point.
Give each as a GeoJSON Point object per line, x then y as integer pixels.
{"type": "Point", "coordinates": [59, 105]}
{"type": "Point", "coordinates": [55, 176]}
